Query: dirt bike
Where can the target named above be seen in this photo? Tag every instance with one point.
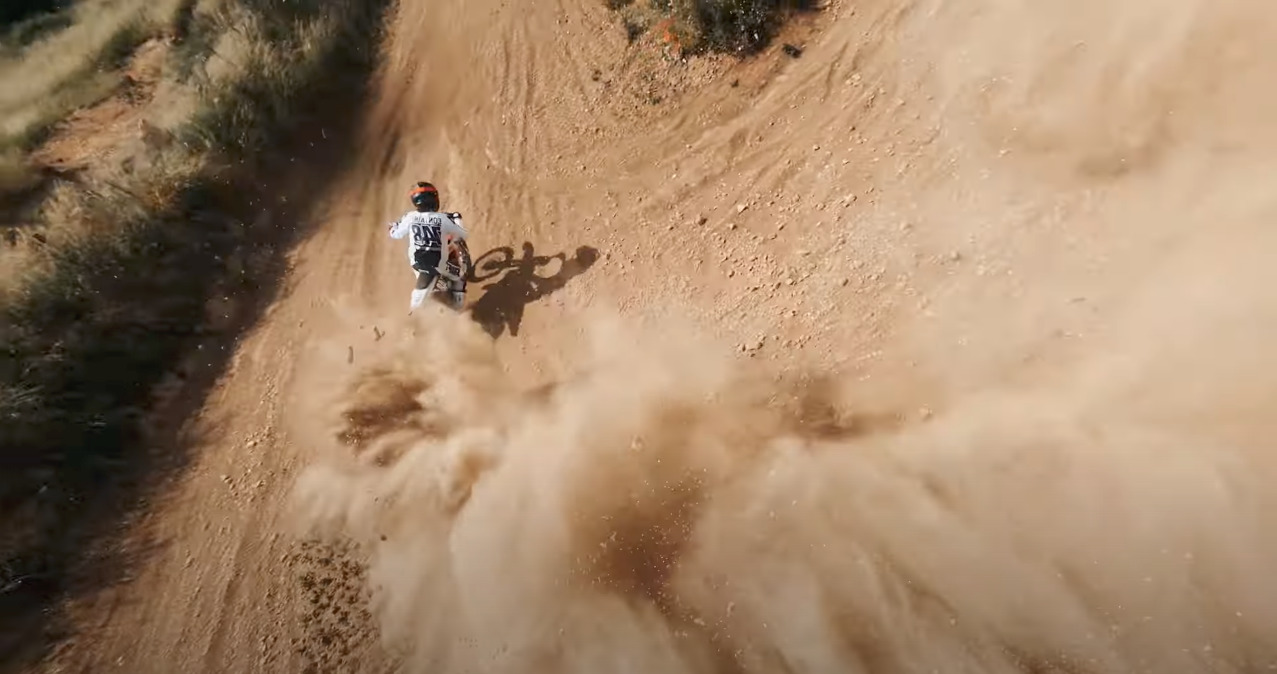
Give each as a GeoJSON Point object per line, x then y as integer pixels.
{"type": "Point", "coordinates": [441, 291]}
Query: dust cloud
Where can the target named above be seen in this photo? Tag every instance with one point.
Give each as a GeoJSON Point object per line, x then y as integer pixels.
{"type": "Point", "coordinates": [667, 510]}
{"type": "Point", "coordinates": [669, 507]}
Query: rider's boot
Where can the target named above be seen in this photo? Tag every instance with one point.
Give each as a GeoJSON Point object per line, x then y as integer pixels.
{"type": "Point", "coordinates": [418, 296]}
{"type": "Point", "coordinates": [457, 288]}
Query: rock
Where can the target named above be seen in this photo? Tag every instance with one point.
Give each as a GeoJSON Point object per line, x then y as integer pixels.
{"type": "Point", "coordinates": [731, 225]}
{"type": "Point", "coordinates": [740, 208]}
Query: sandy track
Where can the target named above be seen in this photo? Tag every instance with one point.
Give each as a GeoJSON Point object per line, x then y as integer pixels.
{"type": "Point", "coordinates": [931, 202]}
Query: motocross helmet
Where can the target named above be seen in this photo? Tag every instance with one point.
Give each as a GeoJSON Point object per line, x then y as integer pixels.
{"type": "Point", "coordinates": [425, 197]}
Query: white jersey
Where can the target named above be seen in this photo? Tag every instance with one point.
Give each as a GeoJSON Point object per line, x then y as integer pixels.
{"type": "Point", "coordinates": [430, 231]}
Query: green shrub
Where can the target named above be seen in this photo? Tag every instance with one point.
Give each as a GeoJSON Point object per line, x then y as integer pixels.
{"type": "Point", "coordinates": [738, 26]}
{"type": "Point", "coordinates": [742, 25]}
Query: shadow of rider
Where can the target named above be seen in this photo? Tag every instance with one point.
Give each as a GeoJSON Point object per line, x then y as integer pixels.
{"type": "Point", "coordinates": [503, 302]}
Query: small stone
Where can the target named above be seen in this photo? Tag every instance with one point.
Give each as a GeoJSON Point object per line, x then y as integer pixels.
{"type": "Point", "coordinates": [731, 225]}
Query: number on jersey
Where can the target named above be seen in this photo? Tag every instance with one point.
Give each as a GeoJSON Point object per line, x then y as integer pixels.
{"type": "Point", "coordinates": [426, 236]}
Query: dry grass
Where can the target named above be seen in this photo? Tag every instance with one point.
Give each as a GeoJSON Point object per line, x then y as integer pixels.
{"type": "Point", "coordinates": [15, 174]}
{"type": "Point", "coordinates": [73, 67]}
{"type": "Point", "coordinates": [100, 299]}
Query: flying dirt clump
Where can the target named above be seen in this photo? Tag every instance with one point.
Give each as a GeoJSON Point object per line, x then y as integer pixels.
{"type": "Point", "coordinates": [668, 509]}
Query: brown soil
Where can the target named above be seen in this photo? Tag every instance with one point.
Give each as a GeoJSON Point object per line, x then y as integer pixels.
{"type": "Point", "coordinates": [924, 205]}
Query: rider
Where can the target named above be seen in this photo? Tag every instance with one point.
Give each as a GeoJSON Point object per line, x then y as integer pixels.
{"type": "Point", "coordinates": [431, 231]}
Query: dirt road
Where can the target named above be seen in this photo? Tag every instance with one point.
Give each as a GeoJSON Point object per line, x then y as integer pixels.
{"type": "Point", "coordinates": [1030, 248]}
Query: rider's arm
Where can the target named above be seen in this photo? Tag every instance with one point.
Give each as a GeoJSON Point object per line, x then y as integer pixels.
{"type": "Point", "coordinates": [453, 228]}
{"type": "Point", "coordinates": [399, 229]}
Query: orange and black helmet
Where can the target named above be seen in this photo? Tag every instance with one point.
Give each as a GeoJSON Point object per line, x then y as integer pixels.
{"type": "Point", "coordinates": [425, 197]}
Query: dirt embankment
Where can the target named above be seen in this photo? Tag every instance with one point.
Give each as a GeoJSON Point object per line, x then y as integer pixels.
{"type": "Point", "coordinates": [155, 233]}
{"type": "Point", "coordinates": [941, 347]}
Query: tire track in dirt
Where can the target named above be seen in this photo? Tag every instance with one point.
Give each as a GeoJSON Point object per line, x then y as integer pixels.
{"type": "Point", "coordinates": [895, 220]}
{"type": "Point", "coordinates": [1026, 243]}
